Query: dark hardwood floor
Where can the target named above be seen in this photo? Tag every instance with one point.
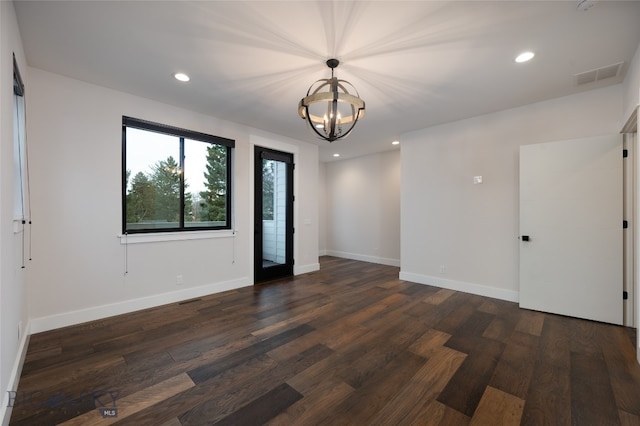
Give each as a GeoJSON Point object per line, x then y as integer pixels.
{"type": "Point", "coordinates": [348, 345]}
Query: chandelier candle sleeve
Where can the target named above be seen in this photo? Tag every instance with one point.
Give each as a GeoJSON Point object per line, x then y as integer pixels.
{"type": "Point", "coordinates": [332, 107]}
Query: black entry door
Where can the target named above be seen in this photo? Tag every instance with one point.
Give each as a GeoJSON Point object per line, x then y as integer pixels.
{"type": "Point", "coordinates": [273, 228]}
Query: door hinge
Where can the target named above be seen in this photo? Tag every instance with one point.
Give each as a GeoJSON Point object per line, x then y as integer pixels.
{"type": "Point", "coordinates": [625, 295]}
{"type": "Point", "coordinates": [625, 153]}
{"type": "Point", "coordinates": [625, 224]}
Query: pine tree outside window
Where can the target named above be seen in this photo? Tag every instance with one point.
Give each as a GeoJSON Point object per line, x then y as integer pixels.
{"type": "Point", "coordinates": [174, 179]}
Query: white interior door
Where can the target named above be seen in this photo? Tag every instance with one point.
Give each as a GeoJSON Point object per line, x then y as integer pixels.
{"type": "Point", "coordinates": [571, 212]}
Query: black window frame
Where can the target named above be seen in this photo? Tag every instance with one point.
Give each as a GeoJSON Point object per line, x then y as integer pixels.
{"type": "Point", "coordinates": [182, 134]}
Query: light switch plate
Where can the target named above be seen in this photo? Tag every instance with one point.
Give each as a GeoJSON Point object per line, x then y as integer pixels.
{"type": "Point", "coordinates": [477, 180]}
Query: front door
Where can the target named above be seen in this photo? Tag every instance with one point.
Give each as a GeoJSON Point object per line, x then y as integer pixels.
{"type": "Point", "coordinates": [273, 201]}
{"type": "Point", "coordinates": [571, 228]}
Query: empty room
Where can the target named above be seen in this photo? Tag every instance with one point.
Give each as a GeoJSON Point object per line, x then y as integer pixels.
{"type": "Point", "coordinates": [319, 212]}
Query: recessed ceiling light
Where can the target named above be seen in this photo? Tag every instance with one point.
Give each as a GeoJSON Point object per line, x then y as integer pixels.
{"type": "Point", "coordinates": [395, 143]}
{"type": "Point", "coordinates": [525, 56]}
{"type": "Point", "coordinates": [181, 77]}
{"type": "Point", "coordinates": [336, 155]}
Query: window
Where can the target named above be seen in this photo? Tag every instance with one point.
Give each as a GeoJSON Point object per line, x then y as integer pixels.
{"type": "Point", "coordinates": [174, 179]}
{"type": "Point", "coordinates": [19, 145]}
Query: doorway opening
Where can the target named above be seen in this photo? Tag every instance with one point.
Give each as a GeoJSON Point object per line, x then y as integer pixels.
{"type": "Point", "coordinates": [273, 204]}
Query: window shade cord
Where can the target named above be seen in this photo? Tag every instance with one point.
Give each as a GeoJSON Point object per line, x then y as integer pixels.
{"type": "Point", "coordinates": [126, 253]}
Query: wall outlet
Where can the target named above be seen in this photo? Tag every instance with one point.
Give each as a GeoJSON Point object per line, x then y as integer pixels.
{"type": "Point", "coordinates": [443, 269]}
{"type": "Point", "coordinates": [179, 280]}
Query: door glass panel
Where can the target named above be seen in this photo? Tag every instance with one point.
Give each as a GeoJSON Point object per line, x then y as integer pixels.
{"type": "Point", "coordinates": [274, 212]}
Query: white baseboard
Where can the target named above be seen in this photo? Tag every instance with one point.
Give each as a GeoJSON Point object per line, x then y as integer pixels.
{"type": "Point", "coordinates": [322, 253]}
{"type": "Point", "coordinates": [98, 312]}
{"type": "Point", "coordinates": [303, 269]}
{"type": "Point", "coordinates": [364, 258]}
{"type": "Point", "coordinates": [16, 370]}
{"type": "Point", "coordinates": [479, 289]}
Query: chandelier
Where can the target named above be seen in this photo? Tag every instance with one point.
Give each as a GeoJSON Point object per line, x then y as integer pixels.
{"type": "Point", "coordinates": [331, 110]}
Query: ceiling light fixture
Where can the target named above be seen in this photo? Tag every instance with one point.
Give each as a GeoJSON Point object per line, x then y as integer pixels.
{"type": "Point", "coordinates": [330, 109]}
{"type": "Point", "coordinates": [395, 143]}
{"type": "Point", "coordinates": [336, 155]}
{"type": "Point", "coordinates": [525, 56]}
{"type": "Point", "coordinates": [181, 77]}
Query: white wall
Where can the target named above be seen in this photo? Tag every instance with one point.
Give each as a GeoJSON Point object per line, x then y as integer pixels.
{"type": "Point", "coordinates": [471, 230]}
{"type": "Point", "coordinates": [322, 209]}
{"type": "Point", "coordinates": [13, 313]}
{"type": "Point", "coordinates": [363, 208]}
{"type": "Point", "coordinates": [81, 271]}
{"type": "Point", "coordinates": [631, 84]}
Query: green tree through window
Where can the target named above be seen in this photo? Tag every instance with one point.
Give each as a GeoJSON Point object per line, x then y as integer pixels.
{"type": "Point", "coordinates": [166, 180]}
{"type": "Point", "coordinates": [268, 177]}
{"type": "Point", "coordinates": [213, 200]}
{"type": "Point", "coordinates": [141, 199]}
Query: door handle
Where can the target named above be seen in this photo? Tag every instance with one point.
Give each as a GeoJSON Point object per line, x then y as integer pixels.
{"type": "Point", "coordinates": [525, 238]}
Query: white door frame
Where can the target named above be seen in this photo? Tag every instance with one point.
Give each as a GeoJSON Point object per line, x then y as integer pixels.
{"type": "Point", "coordinates": [278, 146]}
{"type": "Point", "coordinates": [630, 130]}
{"type": "Point", "coordinates": [629, 191]}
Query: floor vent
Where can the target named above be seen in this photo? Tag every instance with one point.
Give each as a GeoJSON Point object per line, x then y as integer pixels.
{"type": "Point", "coordinates": [610, 71]}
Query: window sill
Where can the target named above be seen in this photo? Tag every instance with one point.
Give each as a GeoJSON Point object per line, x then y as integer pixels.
{"type": "Point", "coordinates": [175, 236]}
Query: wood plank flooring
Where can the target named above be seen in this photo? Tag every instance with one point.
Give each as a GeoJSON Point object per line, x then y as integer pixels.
{"type": "Point", "coordinates": [350, 344]}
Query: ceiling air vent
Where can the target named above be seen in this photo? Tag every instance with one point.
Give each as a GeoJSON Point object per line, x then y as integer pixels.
{"type": "Point", "coordinates": [585, 5]}
{"type": "Point", "coordinates": [610, 71]}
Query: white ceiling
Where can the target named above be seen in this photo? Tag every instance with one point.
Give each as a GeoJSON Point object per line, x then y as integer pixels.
{"type": "Point", "coordinates": [415, 63]}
